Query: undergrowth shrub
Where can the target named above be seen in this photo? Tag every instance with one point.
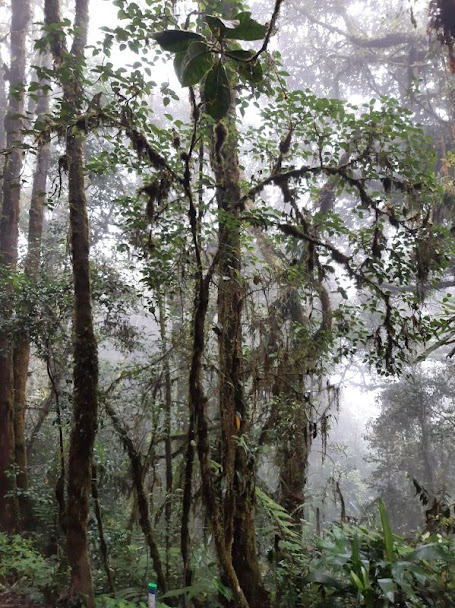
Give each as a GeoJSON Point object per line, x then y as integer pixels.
{"type": "Point", "coordinates": [23, 567]}
{"type": "Point", "coordinates": [357, 566]}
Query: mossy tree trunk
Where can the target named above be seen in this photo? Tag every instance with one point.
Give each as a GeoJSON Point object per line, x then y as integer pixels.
{"type": "Point", "coordinates": [85, 371]}
{"type": "Point", "coordinates": [198, 409]}
{"type": "Point", "coordinates": [22, 343]}
{"type": "Point", "coordinates": [9, 231]}
{"type": "Point", "coordinates": [3, 108]}
{"type": "Point", "coordinates": [238, 468]}
{"type": "Point", "coordinates": [167, 428]}
{"type": "Point", "coordinates": [198, 404]}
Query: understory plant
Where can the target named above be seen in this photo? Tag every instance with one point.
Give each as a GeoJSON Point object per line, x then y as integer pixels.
{"type": "Point", "coordinates": [25, 569]}
{"type": "Point", "coordinates": [358, 566]}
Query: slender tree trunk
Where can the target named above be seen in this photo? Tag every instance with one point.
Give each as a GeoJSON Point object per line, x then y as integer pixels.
{"type": "Point", "coordinates": [142, 502]}
{"type": "Point", "coordinates": [101, 536]}
{"type": "Point", "coordinates": [22, 343]}
{"type": "Point", "coordinates": [198, 404]}
{"type": "Point", "coordinates": [85, 372]}
{"type": "Point", "coordinates": [186, 502]}
{"type": "Point", "coordinates": [167, 431]}
{"type": "Point", "coordinates": [9, 230]}
{"type": "Point", "coordinates": [225, 164]}
{"type": "Point", "coordinates": [60, 485]}
{"type": "Point", "coordinates": [3, 107]}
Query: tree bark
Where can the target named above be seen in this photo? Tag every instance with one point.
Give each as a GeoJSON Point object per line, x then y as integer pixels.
{"type": "Point", "coordinates": [198, 410]}
{"type": "Point", "coordinates": [3, 108]}
{"type": "Point", "coordinates": [167, 430]}
{"type": "Point", "coordinates": [22, 343]}
{"type": "Point", "coordinates": [85, 371]}
{"type": "Point", "coordinates": [238, 469]}
{"type": "Point", "coordinates": [101, 535]}
{"type": "Point", "coordinates": [9, 231]}
{"type": "Point", "coordinates": [198, 404]}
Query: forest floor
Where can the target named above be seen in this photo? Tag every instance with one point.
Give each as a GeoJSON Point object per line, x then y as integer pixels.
{"type": "Point", "coordinates": [9, 599]}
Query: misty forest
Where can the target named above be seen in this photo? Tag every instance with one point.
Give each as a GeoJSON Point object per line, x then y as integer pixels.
{"type": "Point", "coordinates": [227, 303]}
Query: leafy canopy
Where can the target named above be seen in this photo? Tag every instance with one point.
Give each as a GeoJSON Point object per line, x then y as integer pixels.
{"type": "Point", "coordinates": [210, 60]}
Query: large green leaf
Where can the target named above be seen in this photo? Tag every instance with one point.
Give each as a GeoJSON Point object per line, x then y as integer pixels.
{"type": "Point", "coordinates": [195, 64]}
{"type": "Point", "coordinates": [323, 578]}
{"type": "Point", "coordinates": [240, 54]}
{"type": "Point", "coordinates": [217, 92]}
{"type": "Point", "coordinates": [355, 556]}
{"type": "Point", "coordinates": [250, 72]}
{"type": "Point", "coordinates": [388, 588]}
{"type": "Point", "coordinates": [248, 29]}
{"type": "Point", "coordinates": [431, 552]}
{"type": "Point", "coordinates": [386, 532]}
{"type": "Point", "coordinates": [176, 41]}
{"type": "Point", "coordinates": [178, 60]}
{"type": "Point", "coordinates": [219, 26]}
{"type": "Point", "coordinates": [357, 581]}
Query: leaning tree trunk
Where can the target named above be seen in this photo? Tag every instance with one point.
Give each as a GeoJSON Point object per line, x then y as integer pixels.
{"type": "Point", "coordinates": [9, 231]}
{"type": "Point", "coordinates": [137, 470]}
{"type": "Point", "coordinates": [22, 344]}
{"type": "Point", "coordinates": [85, 372]}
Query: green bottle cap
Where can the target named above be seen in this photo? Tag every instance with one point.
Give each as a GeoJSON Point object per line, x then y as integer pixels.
{"type": "Point", "coordinates": [153, 587]}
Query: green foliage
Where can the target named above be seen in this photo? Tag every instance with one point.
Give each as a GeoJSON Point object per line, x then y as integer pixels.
{"type": "Point", "coordinates": [24, 567]}
{"type": "Point", "coordinates": [195, 64]}
{"type": "Point", "coordinates": [357, 566]}
{"type": "Point", "coordinates": [410, 439]}
{"type": "Point", "coordinates": [177, 41]}
{"type": "Point", "coordinates": [387, 532]}
{"type": "Point", "coordinates": [217, 91]}
{"type": "Point", "coordinates": [195, 57]}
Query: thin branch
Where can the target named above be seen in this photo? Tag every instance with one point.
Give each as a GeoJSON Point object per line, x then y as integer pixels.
{"type": "Point", "coordinates": [270, 31]}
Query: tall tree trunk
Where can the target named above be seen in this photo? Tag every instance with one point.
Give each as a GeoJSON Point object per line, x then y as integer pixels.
{"type": "Point", "coordinates": [198, 405]}
{"type": "Point", "coordinates": [9, 231]}
{"type": "Point", "coordinates": [85, 379]}
{"type": "Point", "coordinates": [225, 164]}
{"type": "Point", "coordinates": [198, 409]}
{"type": "Point", "coordinates": [85, 372]}
{"type": "Point", "coordinates": [22, 344]}
{"type": "Point", "coordinates": [238, 470]}
{"type": "Point", "coordinates": [3, 108]}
